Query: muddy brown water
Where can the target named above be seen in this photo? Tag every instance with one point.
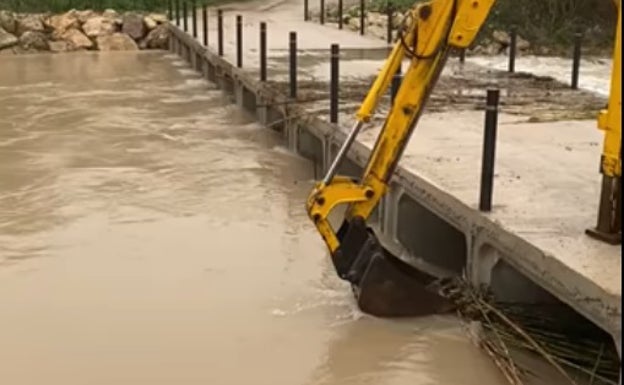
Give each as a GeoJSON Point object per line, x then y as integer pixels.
{"type": "Point", "coordinates": [151, 233]}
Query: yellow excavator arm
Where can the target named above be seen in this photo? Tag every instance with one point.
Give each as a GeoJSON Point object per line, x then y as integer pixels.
{"type": "Point", "coordinates": [429, 32]}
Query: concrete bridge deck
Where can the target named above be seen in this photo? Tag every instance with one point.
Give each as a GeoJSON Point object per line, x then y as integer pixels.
{"type": "Point", "coordinates": [546, 189]}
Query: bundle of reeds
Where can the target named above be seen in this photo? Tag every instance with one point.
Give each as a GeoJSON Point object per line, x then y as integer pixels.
{"type": "Point", "coordinates": [550, 331]}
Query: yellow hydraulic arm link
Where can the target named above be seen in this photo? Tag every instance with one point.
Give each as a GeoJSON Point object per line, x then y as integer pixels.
{"type": "Point", "coordinates": [609, 224]}
{"type": "Point", "coordinates": [430, 31]}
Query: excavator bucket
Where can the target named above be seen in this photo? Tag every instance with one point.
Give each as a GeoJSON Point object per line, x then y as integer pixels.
{"type": "Point", "coordinates": [383, 285]}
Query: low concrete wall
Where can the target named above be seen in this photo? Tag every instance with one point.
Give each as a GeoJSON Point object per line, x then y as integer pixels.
{"type": "Point", "coordinates": [416, 221]}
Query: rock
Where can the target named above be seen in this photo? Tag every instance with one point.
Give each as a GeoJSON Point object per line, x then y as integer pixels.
{"type": "Point", "coordinates": [34, 40]}
{"type": "Point", "coordinates": [8, 22]}
{"type": "Point", "coordinates": [159, 18]}
{"type": "Point", "coordinates": [99, 26]}
{"type": "Point", "coordinates": [501, 37]}
{"type": "Point", "coordinates": [62, 23]}
{"type": "Point", "coordinates": [354, 23]}
{"type": "Point", "coordinates": [150, 23]}
{"type": "Point", "coordinates": [6, 52]}
{"type": "Point", "coordinates": [133, 26]}
{"type": "Point", "coordinates": [29, 23]}
{"type": "Point", "coordinates": [158, 38]}
{"type": "Point", "coordinates": [376, 19]}
{"type": "Point", "coordinates": [85, 15]}
{"type": "Point", "coordinates": [110, 14]}
{"type": "Point", "coordinates": [522, 44]}
{"type": "Point", "coordinates": [7, 39]}
{"type": "Point", "coordinates": [77, 39]}
{"type": "Point", "coordinates": [116, 42]}
{"type": "Point", "coordinates": [58, 46]}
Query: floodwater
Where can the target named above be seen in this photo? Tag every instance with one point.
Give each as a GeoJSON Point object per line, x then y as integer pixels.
{"type": "Point", "coordinates": [152, 233]}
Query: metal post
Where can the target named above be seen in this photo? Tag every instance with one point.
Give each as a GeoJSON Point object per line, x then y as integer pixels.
{"type": "Point", "coordinates": [361, 17]}
{"type": "Point", "coordinates": [394, 86]}
{"type": "Point", "coordinates": [205, 24]}
{"type": "Point", "coordinates": [177, 12]}
{"type": "Point", "coordinates": [170, 9]}
{"type": "Point", "coordinates": [322, 12]}
{"type": "Point", "coordinates": [340, 17]}
{"type": "Point", "coordinates": [292, 67]}
{"type": "Point", "coordinates": [220, 31]}
{"type": "Point", "coordinates": [489, 150]}
{"type": "Point", "coordinates": [334, 80]}
{"type": "Point", "coordinates": [390, 13]}
{"type": "Point", "coordinates": [263, 54]}
{"type": "Point", "coordinates": [576, 59]}
{"type": "Point", "coordinates": [306, 10]}
{"type": "Point", "coordinates": [462, 55]}
{"type": "Point", "coordinates": [513, 38]}
{"type": "Point", "coordinates": [239, 41]}
{"type": "Point", "coordinates": [184, 16]}
{"type": "Point", "coordinates": [194, 16]}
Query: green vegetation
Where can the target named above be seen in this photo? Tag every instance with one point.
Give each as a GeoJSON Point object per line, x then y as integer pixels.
{"type": "Point", "coordinates": [547, 23]}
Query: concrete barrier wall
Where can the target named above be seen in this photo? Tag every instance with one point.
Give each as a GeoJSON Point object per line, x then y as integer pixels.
{"type": "Point", "coordinates": [415, 221]}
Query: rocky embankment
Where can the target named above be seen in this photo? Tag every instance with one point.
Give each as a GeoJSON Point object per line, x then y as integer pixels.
{"type": "Point", "coordinates": [376, 24]}
{"type": "Point", "coordinates": [82, 30]}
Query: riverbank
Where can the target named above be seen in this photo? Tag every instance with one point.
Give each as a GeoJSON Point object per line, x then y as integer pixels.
{"type": "Point", "coordinates": [82, 30]}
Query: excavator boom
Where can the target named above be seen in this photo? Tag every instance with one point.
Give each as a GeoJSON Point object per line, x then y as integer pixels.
{"type": "Point", "coordinates": [382, 284]}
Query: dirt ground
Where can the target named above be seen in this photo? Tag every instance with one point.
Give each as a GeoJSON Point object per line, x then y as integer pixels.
{"type": "Point", "coordinates": [463, 87]}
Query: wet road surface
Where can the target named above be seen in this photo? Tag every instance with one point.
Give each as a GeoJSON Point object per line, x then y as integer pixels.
{"type": "Point", "coordinates": [152, 233]}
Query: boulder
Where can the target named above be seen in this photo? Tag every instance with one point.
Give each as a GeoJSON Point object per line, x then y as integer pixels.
{"type": "Point", "coordinates": [116, 42]}
{"type": "Point", "coordinates": [62, 23]}
{"type": "Point", "coordinates": [158, 38]}
{"type": "Point", "coordinates": [501, 37]}
{"type": "Point", "coordinates": [8, 22]}
{"type": "Point", "coordinates": [99, 26]}
{"type": "Point", "coordinates": [29, 23]}
{"type": "Point", "coordinates": [159, 18]}
{"type": "Point", "coordinates": [377, 19]}
{"type": "Point", "coordinates": [150, 23]}
{"type": "Point", "coordinates": [77, 39]}
{"type": "Point", "coordinates": [133, 26]}
{"type": "Point", "coordinates": [34, 40]}
{"type": "Point", "coordinates": [85, 15]}
{"type": "Point", "coordinates": [110, 14]}
{"type": "Point", "coordinates": [58, 46]}
{"type": "Point", "coordinates": [522, 44]}
{"type": "Point", "coordinates": [7, 39]}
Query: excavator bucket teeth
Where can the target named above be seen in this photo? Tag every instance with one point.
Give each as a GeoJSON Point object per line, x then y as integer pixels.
{"type": "Point", "coordinates": [384, 286]}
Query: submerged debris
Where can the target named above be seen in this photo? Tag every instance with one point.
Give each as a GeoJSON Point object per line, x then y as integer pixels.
{"type": "Point", "coordinates": [564, 340]}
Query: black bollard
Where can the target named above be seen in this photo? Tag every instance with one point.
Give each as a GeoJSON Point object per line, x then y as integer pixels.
{"type": "Point", "coordinates": [263, 53]}
{"type": "Point", "coordinates": [177, 12]}
{"type": "Point", "coordinates": [394, 86]}
{"type": "Point", "coordinates": [462, 55]}
{"type": "Point", "coordinates": [340, 17]}
{"type": "Point", "coordinates": [576, 59]}
{"type": "Point", "coordinates": [170, 10]}
{"type": "Point", "coordinates": [513, 38]}
{"type": "Point", "coordinates": [306, 10]}
{"type": "Point", "coordinates": [334, 80]}
{"type": "Point", "coordinates": [292, 67]}
{"type": "Point", "coordinates": [220, 31]}
{"type": "Point", "coordinates": [184, 16]}
{"type": "Point", "coordinates": [489, 150]}
{"type": "Point", "coordinates": [322, 12]}
{"type": "Point", "coordinates": [194, 16]}
{"type": "Point", "coordinates": [205, 24]}
{"type": "Point", "coordinates": [390, 14]}
{"type": "Point", "coordinates": [239, 41]}
{"type": "Point", "coordinates": [362, 17]}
